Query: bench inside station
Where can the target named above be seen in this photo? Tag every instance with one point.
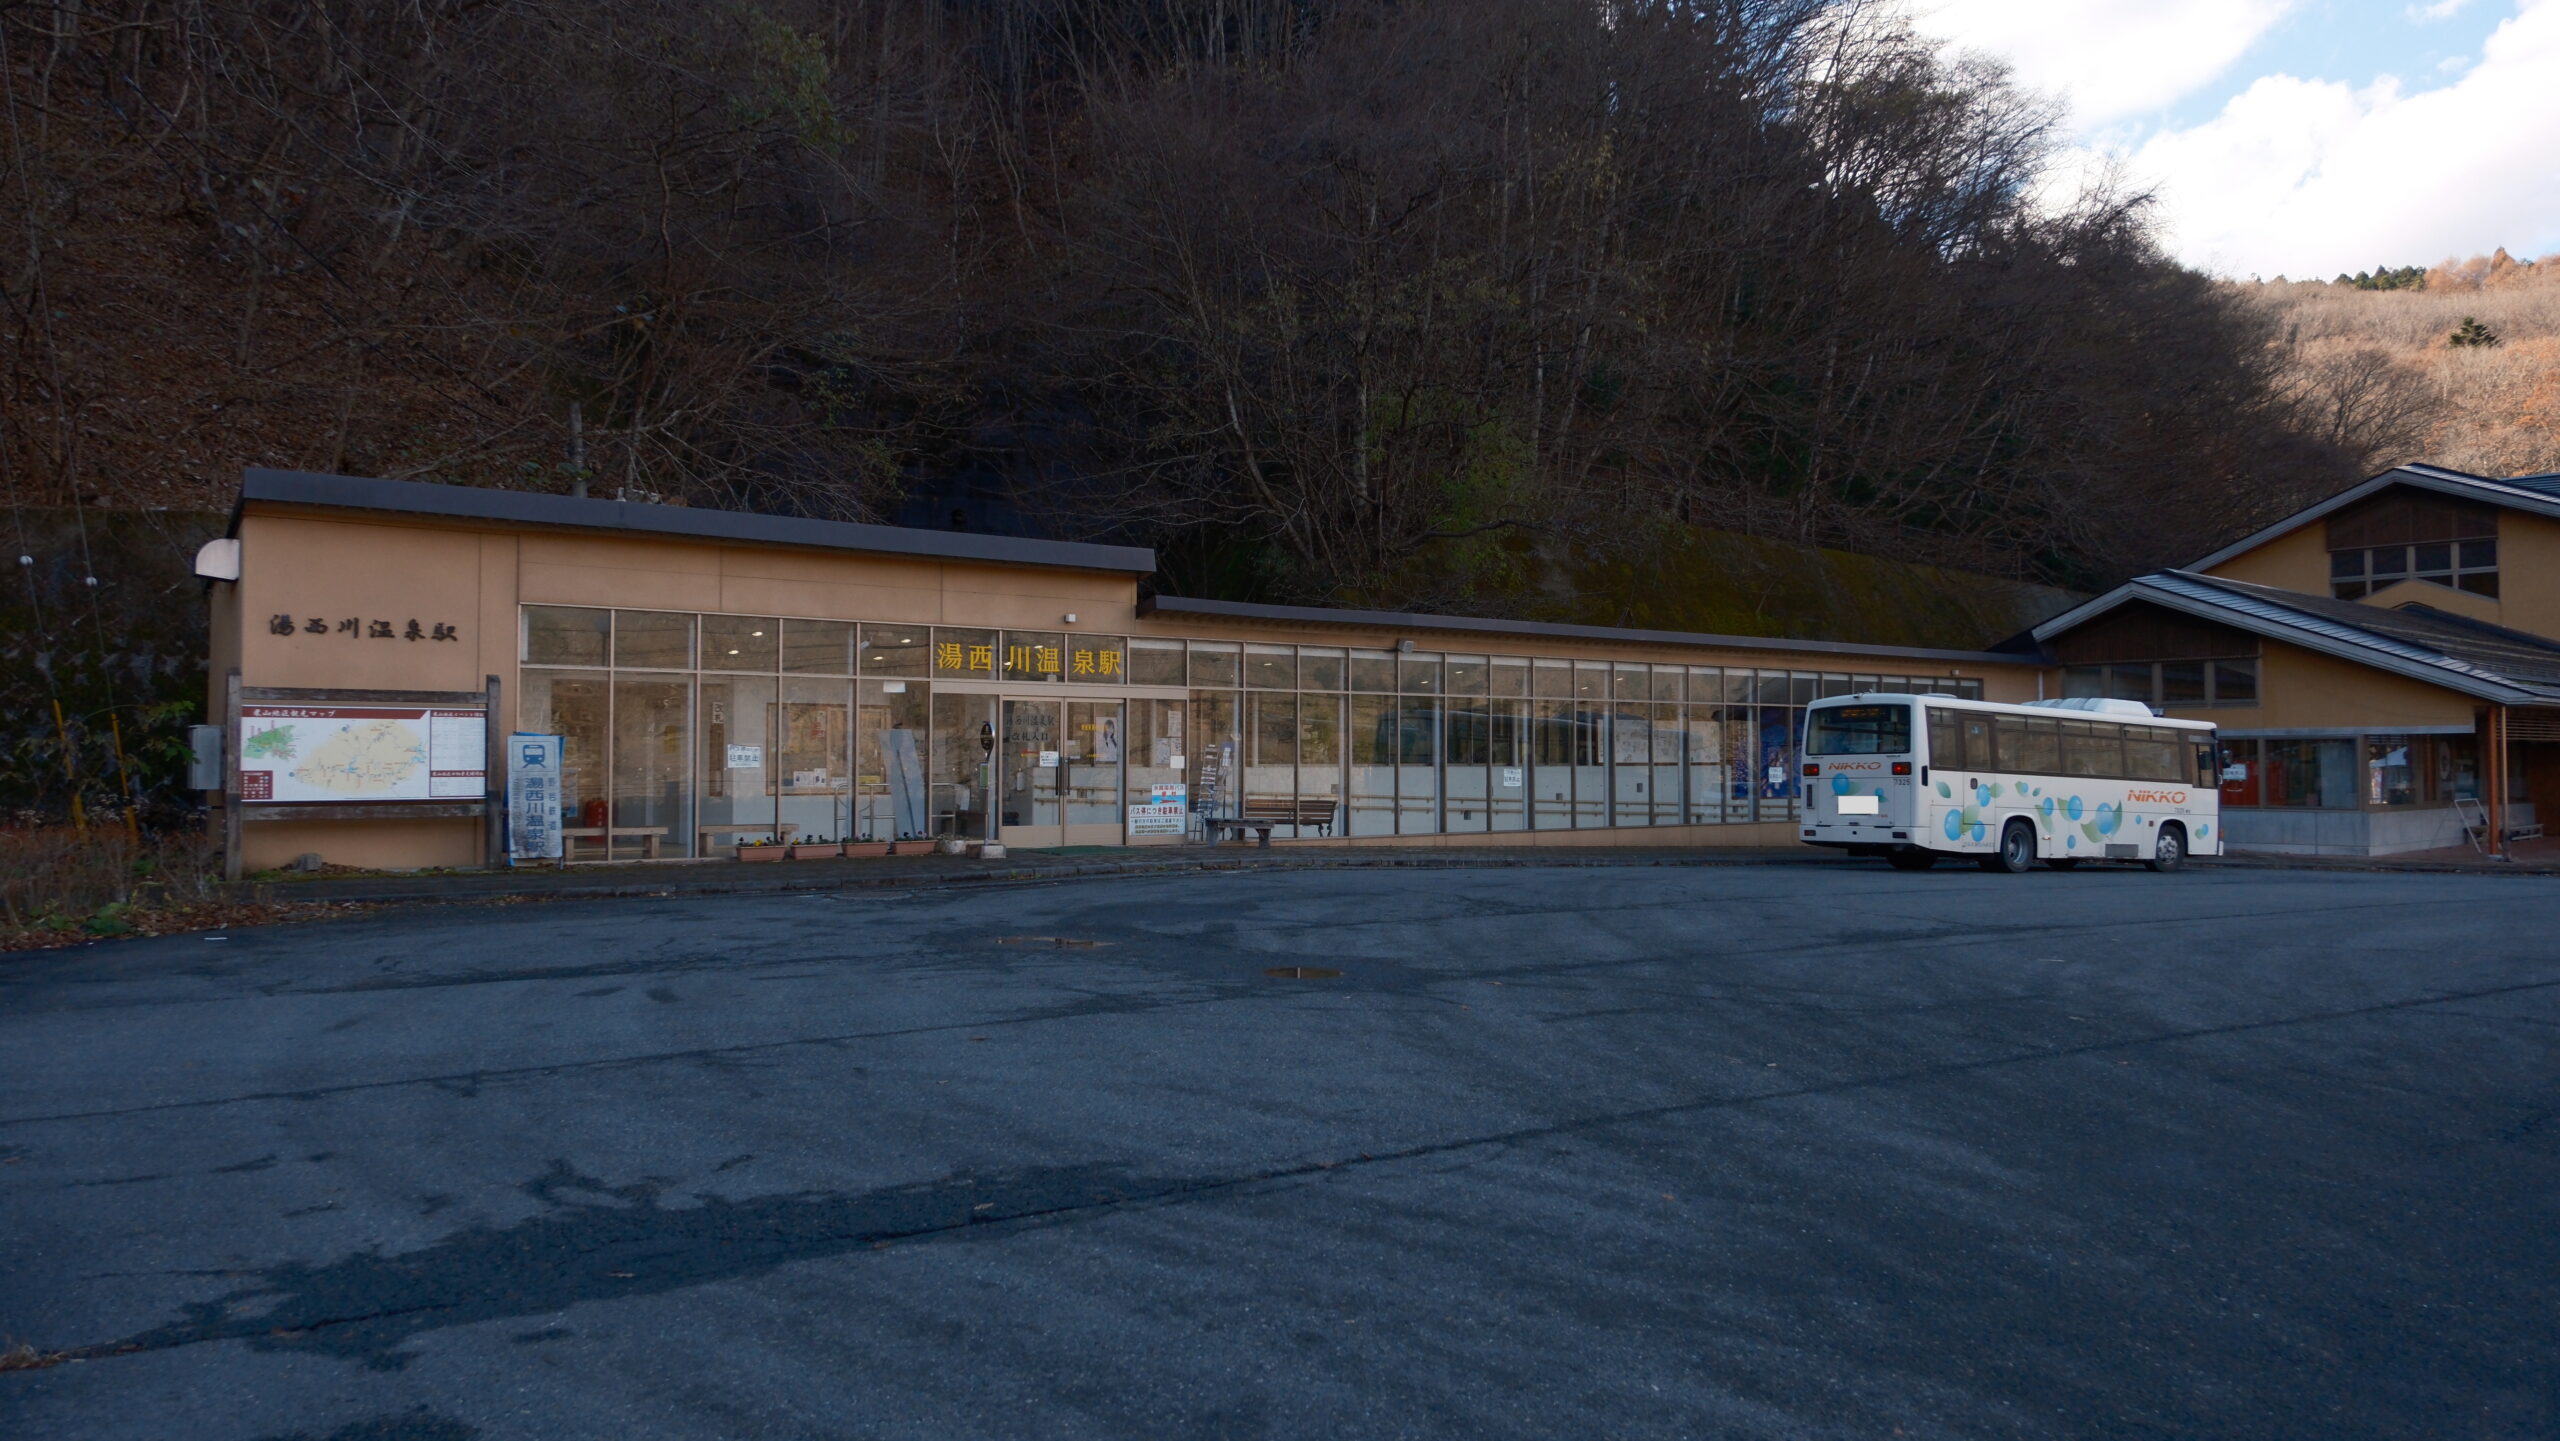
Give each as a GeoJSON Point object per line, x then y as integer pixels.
{"type": "Point", "coordinates": [1263, 816]}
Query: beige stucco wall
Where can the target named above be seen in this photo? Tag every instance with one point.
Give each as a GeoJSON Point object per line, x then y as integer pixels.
{"type": "Point", "coordinates": [659, 574]}
{"type": "Point", "coordinates": [334, 571]}
{"type": "Point", "coordinates": [474, 576]}
{"type": "Point", "coordinates": [2295, 560]}
{"type": "Point", "coordinates": [2528, 574]}
{"type": "Point", "coordinates": [373, 845]}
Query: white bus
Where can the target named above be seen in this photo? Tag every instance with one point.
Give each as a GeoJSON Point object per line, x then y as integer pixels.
{"type": "Point", "coordinates": [1913, 778]}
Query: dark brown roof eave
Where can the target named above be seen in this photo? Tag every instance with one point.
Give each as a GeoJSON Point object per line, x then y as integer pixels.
{"type": "Point", "coordinates": [519, 507]}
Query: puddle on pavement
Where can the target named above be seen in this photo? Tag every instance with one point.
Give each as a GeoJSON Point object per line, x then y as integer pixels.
{"type": "Point", "coordinates": [1303, 973]}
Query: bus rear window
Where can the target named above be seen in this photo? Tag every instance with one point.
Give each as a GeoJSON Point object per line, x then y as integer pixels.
{"type": "Point", "coordinates": [1860, 730]}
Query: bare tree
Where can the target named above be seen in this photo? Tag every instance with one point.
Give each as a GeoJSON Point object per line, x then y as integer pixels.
{"type": "Point", "coordinates": [1366, 298]}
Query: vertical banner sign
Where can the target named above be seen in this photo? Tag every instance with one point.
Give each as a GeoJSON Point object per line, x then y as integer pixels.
{"type": "Point", "coordinates": [1217, 764]}
{"type": "Point", "coordinates": [533, 797]}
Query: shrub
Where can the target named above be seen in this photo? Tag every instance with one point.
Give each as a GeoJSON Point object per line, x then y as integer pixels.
{"type": "Point", "coordinates": [2471, 333]}
{"type": "Point", "coordinates": [58, 878]}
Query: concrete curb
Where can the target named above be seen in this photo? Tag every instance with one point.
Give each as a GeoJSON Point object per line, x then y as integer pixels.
{"type": "Point", "coordinates": [464, 888]}
{"type": "Point", "coordinates": [490, 888]}
{"type": "Point", "coordinates": [2383, 865]}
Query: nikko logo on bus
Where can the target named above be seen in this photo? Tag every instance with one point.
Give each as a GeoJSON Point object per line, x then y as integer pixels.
{"type": "Point", "coordinates": [2156, 798]}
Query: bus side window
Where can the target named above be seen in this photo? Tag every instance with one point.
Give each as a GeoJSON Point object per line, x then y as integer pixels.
{"type": "Point", "coordinates": [1978, 743]}
{"type": "Point", "coordinates": [2091, 748]}
{"type": "Point", "coordinates": [1946, 741]}
{"type": "Point", "coordinates": [2042, 754]}
{"type": "Point", "coordinates": [2151, 754]}
{"type": "Point", "coordinates": [2111, 739]}
{"type": "Point", "coordinates": [2026, 746]}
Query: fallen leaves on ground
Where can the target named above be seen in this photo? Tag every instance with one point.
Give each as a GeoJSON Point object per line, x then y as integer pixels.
{"type": "Point", "coordinates": [182, 919]}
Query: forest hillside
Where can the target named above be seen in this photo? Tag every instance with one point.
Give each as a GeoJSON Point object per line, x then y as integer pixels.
{"type": "Point", "coordinates": [1323, 298]}
{"type": "Point", "coordinates": [2459, 362]}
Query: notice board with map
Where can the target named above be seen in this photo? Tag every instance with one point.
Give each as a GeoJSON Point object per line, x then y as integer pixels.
{"type": "Point", "coordinates": [322, 754]}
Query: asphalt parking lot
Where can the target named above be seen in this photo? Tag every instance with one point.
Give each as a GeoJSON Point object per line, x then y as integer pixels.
{"type": "Point", "coordinates": [1811, 1151]}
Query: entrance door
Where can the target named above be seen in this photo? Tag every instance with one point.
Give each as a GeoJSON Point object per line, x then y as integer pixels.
{"type": "Point", "coordinates": [1061, 773]}
{"type": "Point", "coordinates": [1033, 770]}
{"type": "Point", "coordinates": [1089, 773]}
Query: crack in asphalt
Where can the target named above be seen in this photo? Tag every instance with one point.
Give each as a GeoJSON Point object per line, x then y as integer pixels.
{"type": "Point", "coordinates": [1221, 989]}
{"type": "Point", "coordinates": [365, 1306]}
{"type": "Point", "coordinates": [1490, 908]}
{"type": "Point", "coordinates": [938, 950]}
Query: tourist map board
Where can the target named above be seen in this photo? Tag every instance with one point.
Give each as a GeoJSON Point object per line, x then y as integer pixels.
{"type": "Point", "coordinates": [321, 754]}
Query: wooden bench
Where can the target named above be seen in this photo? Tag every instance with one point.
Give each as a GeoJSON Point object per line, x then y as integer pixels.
{"type": "Point", "coordinates": [649, 838]}
{"type": "Point", "coordinates": [1262, 816]}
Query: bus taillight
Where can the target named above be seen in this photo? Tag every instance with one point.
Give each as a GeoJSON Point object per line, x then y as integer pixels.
{"type": "Point", "coordinates": [1902, 768]}
{"type": "Point", "coordinates": [1811, 769]}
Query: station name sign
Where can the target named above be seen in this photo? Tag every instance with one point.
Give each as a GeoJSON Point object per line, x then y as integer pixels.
{"type": "Point", "coordinates": [359, 627]}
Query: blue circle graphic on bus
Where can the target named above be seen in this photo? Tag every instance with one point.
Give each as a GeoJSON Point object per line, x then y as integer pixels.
{"type": "Point", "coordinates": [2071, 808]}
{"type": "Point", "coordinates": [2047, 808]}
{"type": "Point", "coordinates": [2109, 817]}
{"type": "Point", "coordinates": [1955, 825]}
{"type": "Point", "coordinates": [1978, 831]}
{"type": "Point", "coordinates": [1840, 786]}
{"type": "Point", "coordinates": [2071, 843]}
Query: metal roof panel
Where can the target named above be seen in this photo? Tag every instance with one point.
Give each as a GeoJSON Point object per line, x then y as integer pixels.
{"type": "Point", "coordinates": [520, 507]}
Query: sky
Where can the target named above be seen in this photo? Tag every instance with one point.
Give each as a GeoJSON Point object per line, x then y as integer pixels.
{"type": "Point", "coordinates": [2302, 137]}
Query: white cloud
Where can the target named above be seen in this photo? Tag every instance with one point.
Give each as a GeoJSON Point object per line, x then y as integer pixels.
{"type": "Point", "coordinates": [2440, 10]}
{"type": "Point", "coordinates": [2311, 177]}
{"type": "Point", "coordinates": [2113, 59]}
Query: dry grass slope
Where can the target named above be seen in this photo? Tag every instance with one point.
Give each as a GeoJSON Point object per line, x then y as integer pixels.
{"type": "Point", "coordinates": [2489, 410]}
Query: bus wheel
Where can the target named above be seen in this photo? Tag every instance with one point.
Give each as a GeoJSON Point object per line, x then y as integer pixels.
{"type": "Point", "coordinates": [2064, 863]}
{"type": "Point", "coordinates": [2170, 851]}
{"type": "Point", "coordinates": [2017, 850]}
{"type": "Point", "coordinates": [1914, 859]}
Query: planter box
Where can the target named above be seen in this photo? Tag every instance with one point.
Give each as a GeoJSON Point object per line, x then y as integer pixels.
{"type": "Point", "coordinates": [816, 850]}
{"type": "Point", "coordinates": [764, 853]}
{"type": "Point", "coordinates": [861, 849]}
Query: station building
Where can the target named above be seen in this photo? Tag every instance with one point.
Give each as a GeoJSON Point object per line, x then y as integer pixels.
{"type": "Point", "coordinates": [726, 679]}
{"type": "Point", "coordinates": [2384, 667]}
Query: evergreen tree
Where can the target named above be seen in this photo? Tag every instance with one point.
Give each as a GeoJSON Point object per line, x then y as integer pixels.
{"type": "Point", "coordinates": [2406, 277]}
{"type": "Point", "coordinates": [2471, 334]}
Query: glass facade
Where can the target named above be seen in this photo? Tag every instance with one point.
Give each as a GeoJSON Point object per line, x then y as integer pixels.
{"type": "Point", "coordinates": [691, 733]}
{"type": "Point", "coordinates": [2371, 772]}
